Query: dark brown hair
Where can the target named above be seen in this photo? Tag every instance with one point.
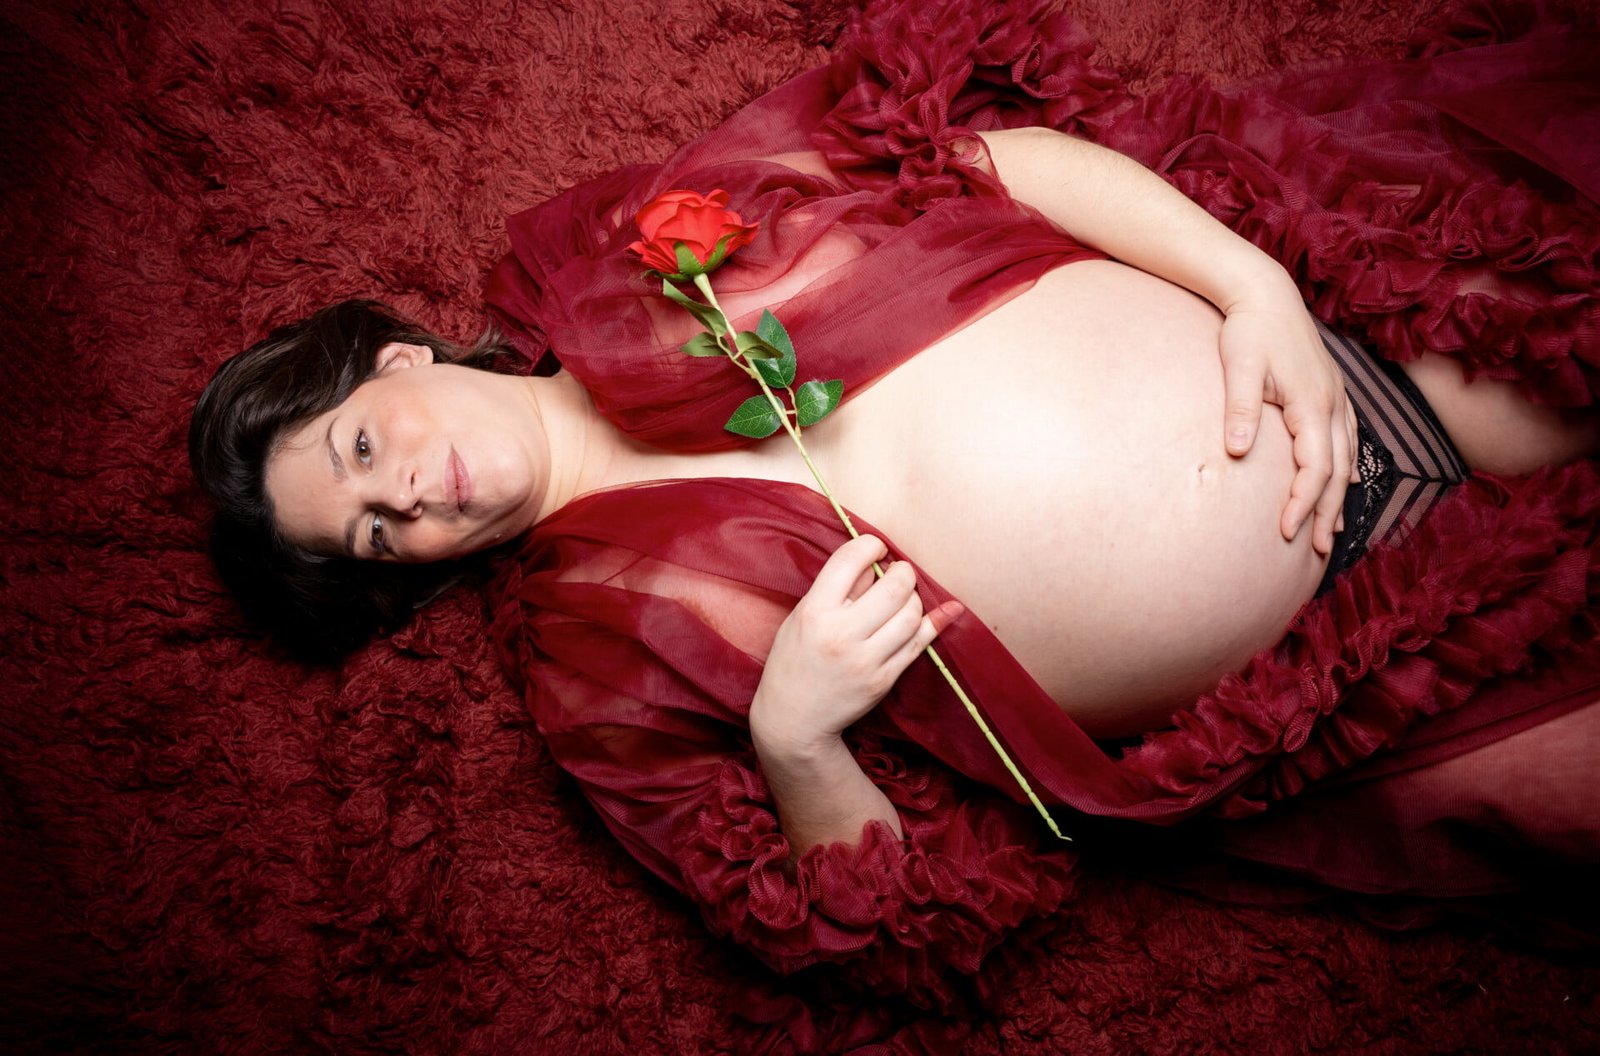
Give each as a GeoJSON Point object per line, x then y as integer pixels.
{"type": "Point", "coordinates": [320, 607]}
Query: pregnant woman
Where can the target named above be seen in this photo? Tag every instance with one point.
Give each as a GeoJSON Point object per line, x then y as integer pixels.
{"type": "Point", "coordinates": [1047, 354]}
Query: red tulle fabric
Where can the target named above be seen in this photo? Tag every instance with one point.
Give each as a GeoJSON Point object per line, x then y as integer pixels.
{"type": "Point", "coordinates": [1369, 751]}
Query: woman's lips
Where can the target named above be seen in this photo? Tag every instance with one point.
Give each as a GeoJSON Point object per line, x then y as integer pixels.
{"type": "Point", "coordinates": [458, 483]}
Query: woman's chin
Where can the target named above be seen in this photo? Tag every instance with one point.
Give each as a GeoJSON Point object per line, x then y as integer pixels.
{"type": "Point", "coordinates": [472, 544]}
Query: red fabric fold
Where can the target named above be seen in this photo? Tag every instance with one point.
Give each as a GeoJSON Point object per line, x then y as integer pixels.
{"type": "Point", "coordinates": [638, 618]}
{"type": "Point", "coordinates": [622, 628]}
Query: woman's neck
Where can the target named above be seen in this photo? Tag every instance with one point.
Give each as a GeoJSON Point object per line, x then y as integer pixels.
{"type": "Point", "coordinates": [587, 452]}
{"type": "Point", "coordinates": [564, 414]}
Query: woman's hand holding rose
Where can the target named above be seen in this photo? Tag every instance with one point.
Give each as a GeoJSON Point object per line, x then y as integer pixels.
{"type": "Point", "coordinates": [841, 649]}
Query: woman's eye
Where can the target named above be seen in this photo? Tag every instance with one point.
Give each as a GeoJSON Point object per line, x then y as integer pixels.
{"type": "Point", "coordinates": [363, 447]}
{"type": "Point", "coordinates": [375, 533]}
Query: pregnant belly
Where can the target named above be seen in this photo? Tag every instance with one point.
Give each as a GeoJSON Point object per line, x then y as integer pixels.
{"type": "Point", "coordinates": [1059, 466]}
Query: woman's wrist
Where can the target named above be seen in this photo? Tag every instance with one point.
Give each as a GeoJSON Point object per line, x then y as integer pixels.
{"type": "Point", "coordinates": [819, 791]}
{"type": "Point", "coordinates": [776, 736]}
{"type": "Point", "coordinates": [1259, 282]}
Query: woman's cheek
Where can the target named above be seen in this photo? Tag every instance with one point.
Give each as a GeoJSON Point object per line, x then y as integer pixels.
{"type": "Point", "coordinates": [425, 543]}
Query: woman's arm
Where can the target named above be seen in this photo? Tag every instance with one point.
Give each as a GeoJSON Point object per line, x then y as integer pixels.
{"type": "Point", "coordinates": [1269, 346]}
{"type": "Point", "coordinates": [819, 791]}
{"type": "Point", "coordinates": [833, 659]}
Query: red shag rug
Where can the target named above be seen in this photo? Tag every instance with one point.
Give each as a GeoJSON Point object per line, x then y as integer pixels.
{"type": "Point", "coordinates": [206, 848]}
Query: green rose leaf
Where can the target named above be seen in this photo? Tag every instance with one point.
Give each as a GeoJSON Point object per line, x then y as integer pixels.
{"type": "Point", "coordinates": [703, 344]}
{"type": "Point", "coordinates": [756, 349]}
{"type": "Point", "coordinates": [779, 372]}
{"type": "Point", "coordinates": [772, 332]}
{"type": "Point", "coordinates": [815, 400]}
{"type": "Point", "coordinates": [772, 370]}
{"type": "Point", "coordinates": [709, 317]}
{"type": "Point", "coordinates": [754, 418]}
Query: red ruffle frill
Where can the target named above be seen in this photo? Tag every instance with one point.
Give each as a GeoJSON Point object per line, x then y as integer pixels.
{"type": "Point", "coordinates": [969, 872]}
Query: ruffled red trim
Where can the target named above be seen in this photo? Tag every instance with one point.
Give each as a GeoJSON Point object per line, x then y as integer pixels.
{"type": "Point", "coordinates": [1459, 262]}
{"type": "Point", "coordinates": [1448, 255]}
{"type": "Point", "coordinates": [1501, 571]}
{"type": "Point", "coordinates": [904, 915]}
{"type": "Point", "coordinates": [1392, 206]}
{"type": "Point", "coordinates": [916, 79]}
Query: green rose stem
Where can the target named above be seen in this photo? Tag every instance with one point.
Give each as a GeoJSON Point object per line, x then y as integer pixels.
{"type": "Point", "coordinates": [730, 348]}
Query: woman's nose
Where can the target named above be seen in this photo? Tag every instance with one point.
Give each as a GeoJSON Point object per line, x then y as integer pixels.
{"type": "Point", "coordinates": [400, 493]}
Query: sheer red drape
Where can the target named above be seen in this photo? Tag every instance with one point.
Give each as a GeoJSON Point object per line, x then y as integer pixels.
{"type": "Point", "coordinates": [1414, 200]}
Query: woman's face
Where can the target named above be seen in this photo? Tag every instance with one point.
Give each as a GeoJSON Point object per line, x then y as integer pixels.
{"type": "Point", "coordinates": [423, 462]}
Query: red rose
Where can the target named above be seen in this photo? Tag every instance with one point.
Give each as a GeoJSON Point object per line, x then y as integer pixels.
{"type": "Point", "coordinates": [703, 224]}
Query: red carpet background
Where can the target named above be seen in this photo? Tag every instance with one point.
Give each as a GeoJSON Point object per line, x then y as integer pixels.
{"type": "Point", "coordinates": [208, 848]}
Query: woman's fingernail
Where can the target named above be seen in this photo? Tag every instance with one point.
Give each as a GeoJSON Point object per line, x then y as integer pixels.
{"type": "Point", "coordinates": [1238, 436]}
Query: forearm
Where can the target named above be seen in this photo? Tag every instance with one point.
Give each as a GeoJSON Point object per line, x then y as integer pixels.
{"type": "Point", "coordinates": [1112, 203]}
{"type": "Point", "coordinates": [820, 792]}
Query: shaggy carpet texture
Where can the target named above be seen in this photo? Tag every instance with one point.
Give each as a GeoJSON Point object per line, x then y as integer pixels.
{"type": "Point", "coordinates": [208, 848]}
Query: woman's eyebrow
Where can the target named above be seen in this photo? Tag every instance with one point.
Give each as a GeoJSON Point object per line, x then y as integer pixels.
{"type": "Point", "coordinates": [339, 476]}
{"type": "Point", "coordinates": [333, 453]}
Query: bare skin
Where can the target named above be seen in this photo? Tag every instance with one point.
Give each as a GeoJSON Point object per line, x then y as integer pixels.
{"type": "Point", "coordinates": [1140, 561]}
